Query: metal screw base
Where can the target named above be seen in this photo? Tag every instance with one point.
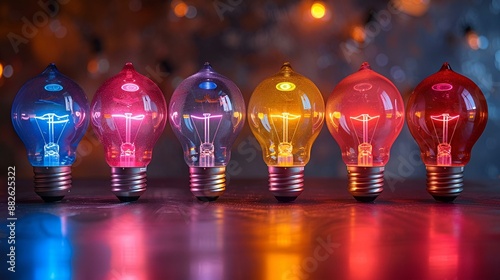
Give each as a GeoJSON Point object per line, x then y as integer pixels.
{"type": "Point", "coordinates": [286, 183]}
{"type": "Point", "coordinates": [128, 183]}
{"type": "Point", "coordinates": [52, 183]}
{"type": "Point", "coordinates": [445, 183]}
{"type": "Point", "coordinates": [207, 183]}
{"type": "Point", "coordinates": [365, 183]}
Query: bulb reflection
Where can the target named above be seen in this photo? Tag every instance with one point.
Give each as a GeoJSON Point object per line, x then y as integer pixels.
{"type": "Point", "coordinates": [44, 251]}
{"type": "Point", "coordinates": [283, 258]}
{"type": "Point", "coordinates": [444, 230]}
{"type": "Point", "coordinates": [126, 239]}
{"type": "Point", "coordinates": [364, 238]}
{"type": "Point", "coordinates": [206, 242]}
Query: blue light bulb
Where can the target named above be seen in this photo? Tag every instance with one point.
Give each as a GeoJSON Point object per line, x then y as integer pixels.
{"type": "Point", "coordinates": [49, 114]}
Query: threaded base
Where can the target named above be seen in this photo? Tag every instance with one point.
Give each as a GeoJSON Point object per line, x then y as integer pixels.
{"type": "Point", "coordinates": [207, 183]}
{"type": "Point", "coordinates": [52, 183]}
{"type": "Point", "coordinates": [365, 183]}
{"type": "Point", "coordinates": [128, 183]}
{"type": "Point", "coordinates": [445, 183]}
{"type": "Point", "coordinates": [286, 183]}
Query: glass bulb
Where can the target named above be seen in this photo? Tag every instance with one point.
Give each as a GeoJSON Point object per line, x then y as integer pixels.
{"type": "Point", "coordinates": [286, 115]}
{"type": "Point", "coordinates": [207, 112]}
{"type": "Point", "coordinates": [365, 114]}
{"type": "Point", "coordinates": [49, 114]}
{"type": "Point", "coordinates": [128, 116]}
{"type": "Point", "coordinates": [446, 114]}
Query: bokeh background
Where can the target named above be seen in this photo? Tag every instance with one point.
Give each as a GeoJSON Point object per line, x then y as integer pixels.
{"type": "Point", "coordinates": [247, 41]}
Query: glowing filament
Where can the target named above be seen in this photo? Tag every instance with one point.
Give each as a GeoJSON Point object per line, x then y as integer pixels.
{"type": "Point", "coordinates": [207, 150]}
{"type": "Point", "coordinates": [50, 147]}
{"type": "Point", "coordinates": [365, 156]}
{"type": "Point", "coordinates": [285, 147]}
{"type": "Point", "coordinates": [444, 147]}
{"type": "Point", "coordinates": [127, 147]}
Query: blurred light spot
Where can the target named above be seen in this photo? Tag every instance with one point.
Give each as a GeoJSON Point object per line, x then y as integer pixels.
{"type": "Point", "coordinates": [8, 71]}
{"type": "Point", "coordinates": [180, 9]}
{"type": "Point", "coordinates": [1, 70]}
{"type": "Point", "coordinates": [318, 10]}
{"type": "Point", "coordinates": [98, 65]}
{"type": "Point", "coordinates": [412, 7]}
{"type": "Point", "coordinates": [472, 40]}
{"type": "Point", "coordinates": [191, 12]}
{"type": "Point", "coordinates": [93, 66]}
{"type": "Point", "coordinates": [58, 29]}
{"type": "Point", "coordinates": [176, 81]}
{"type": "Point", "coordinates": [381, 59]}
{"type": "Point", "coordinates": [324, 61]}
{"type": "Point", "coordinates": [103, 65]}
{"type": "Point", "coordinates": [135, 5]}
{"type": "Point", "coordinates": [483, 42]}
{"type": "Point", "coordinates": [358, 34]}
{"type": "Point", "coordinates": [398, 74]}
{"type": "Point", "coordinates": [495, 6]}
{"type": "Point", "coordinates": [497, 59]}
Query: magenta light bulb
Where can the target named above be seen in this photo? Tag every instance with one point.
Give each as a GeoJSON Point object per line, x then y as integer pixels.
{"type": "Point", "coordinates": [446, 114]}
{"type": "Point", "coordinates": [128, 115]}
{"type": "Point", "coordinates": [365, 114]}
{"type": "Point", "coordinates": [207, 112]}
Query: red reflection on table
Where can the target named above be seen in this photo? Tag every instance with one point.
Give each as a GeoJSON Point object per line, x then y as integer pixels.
{"type": "Point", "coordinates": [444, 234]}
{"type": "Point", "coordinates": [127, 244]}
{"type": "Point", "coordinates": [364, 238]}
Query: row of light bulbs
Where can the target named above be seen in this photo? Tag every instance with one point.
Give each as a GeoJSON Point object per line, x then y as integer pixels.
{"type": "Point", "coordinates": [446, 114]}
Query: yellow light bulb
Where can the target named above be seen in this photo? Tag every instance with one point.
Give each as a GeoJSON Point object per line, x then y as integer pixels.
{"type": "Point", "coordinates": [286, 115]}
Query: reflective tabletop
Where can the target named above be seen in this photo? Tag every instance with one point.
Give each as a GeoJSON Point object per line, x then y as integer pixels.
{"type": "Point", "coordinates": [247, 234]}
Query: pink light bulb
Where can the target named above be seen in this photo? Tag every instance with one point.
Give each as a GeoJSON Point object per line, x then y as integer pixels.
{"type": "Point", "coordinates": [128, 115]}
{"type": "Point", "coordinates": [446, 114]}
{"type": "Point", "coordinates": [365, 114]}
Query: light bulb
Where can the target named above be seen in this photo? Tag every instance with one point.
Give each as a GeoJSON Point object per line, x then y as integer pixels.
{"type": "Point", "coordinates": [207, 112]}
{"type": "Point", "coordinates": [128, 116]}
{"type": "Point", "coordinates": [446, 114]}
{"type": "Point", "coordinates": [286, 115]}
{"type": "Point", "coordinates": [49, 114]}
{"type": "Point", "coordinates": [365, 114]}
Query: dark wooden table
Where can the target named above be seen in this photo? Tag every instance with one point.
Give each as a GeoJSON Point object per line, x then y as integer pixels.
{"type": "Point", "coordinates": [247, 234]}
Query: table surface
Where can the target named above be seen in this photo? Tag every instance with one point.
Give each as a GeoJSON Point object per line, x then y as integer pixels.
{"type": "Point", "coordinates": [247, 234]}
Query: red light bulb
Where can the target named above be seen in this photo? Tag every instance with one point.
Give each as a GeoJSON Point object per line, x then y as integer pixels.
{"type": "Point", "coordinates": [446, 114]}
{"type": "Point", "coordinates": [365, 114]}
{"type": "Point", "coordinates": [128, 115]}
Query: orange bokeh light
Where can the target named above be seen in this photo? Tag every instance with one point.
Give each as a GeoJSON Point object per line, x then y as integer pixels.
{"type": "Point", "coordinates": [318, 10]}
{"type": "Point", "coordinates": [181, 9]}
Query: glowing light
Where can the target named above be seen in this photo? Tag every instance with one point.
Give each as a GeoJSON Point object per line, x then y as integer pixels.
{"type": "Point", "coordinates": [181, 9]}
{"type": "Point", "coordinates": [207, 85]}
{"type": "Point", "coordinates": [130, 87]}
{"type": "Point", "coordinates": [1, 70]}
{"type": "Point", "coordinates": [318, 10]}
{"type": "Point", "coordinates": [53, 87]}
{"type": "Point", "coordinates": [444, 147]}
{"type": "Point", "coordinates": [93, 66]}
{"type": "Point", "coordinates": [412, 7]}
{"type": "Point", "coordinates": [472, 40]}
{"type": "Point", "coordinates": [285, 86]}
{"type": "Point", "coordinates": [358, 34]}
{"type": "Point", "coordinates": [207, 143]}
